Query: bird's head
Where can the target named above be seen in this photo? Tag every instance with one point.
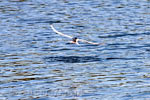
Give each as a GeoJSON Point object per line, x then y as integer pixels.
{"type": "Point", "coordinates": [74, 39]}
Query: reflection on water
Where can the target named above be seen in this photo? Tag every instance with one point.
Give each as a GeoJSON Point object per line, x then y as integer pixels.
{"type": "Point", "coordinates": [37, 64]}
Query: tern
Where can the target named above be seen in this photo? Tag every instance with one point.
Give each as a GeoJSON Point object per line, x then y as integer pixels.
{"type": "Point", "coordinates": [74, 39]}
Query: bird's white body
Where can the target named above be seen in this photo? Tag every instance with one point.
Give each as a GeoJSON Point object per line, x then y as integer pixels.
{"type": "Point", "coordinates": [76, 40]}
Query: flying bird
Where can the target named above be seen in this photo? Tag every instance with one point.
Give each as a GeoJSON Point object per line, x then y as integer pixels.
{"type": "Point", "coordinates": [74, 39]}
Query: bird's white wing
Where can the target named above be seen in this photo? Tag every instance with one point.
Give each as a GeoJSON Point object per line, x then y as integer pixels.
{"type": "Point", "coordinates": [88, 42]}
{"type": "Point", "coordinates": [60, 32]}
{"type": "Point", "coordinates": [72, 37]}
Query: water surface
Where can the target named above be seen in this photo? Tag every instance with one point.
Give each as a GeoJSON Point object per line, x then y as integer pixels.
{"type": "Point", "coordinates": [37, 64]}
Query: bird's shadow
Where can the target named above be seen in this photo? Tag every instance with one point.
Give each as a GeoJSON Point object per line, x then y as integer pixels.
{"type": "Point", "coordinates": [71, 59]}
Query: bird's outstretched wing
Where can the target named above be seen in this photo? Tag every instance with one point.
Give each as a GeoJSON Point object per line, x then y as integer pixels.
{"type": "Point", "coordinates": [88, 42]}
{"type": "Point", "coordinates": [60, 32]}
{"type": "Point", "coordinates": [72, 37]}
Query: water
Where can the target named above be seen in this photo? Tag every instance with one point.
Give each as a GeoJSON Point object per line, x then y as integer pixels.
{"type": "Point", "coordinates": [37, 64]}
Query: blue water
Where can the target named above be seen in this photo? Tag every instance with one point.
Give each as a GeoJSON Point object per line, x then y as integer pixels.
{"type": "Point", "coordinates": [38, 64]}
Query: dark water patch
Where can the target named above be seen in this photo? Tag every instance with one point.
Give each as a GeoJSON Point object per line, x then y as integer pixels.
{"type": "Point", "coordinates": [63, 49]}
{"type": "Point", "coordinates": [52, 49]}
{"type": "Point", "coordinates": [118, 44]}
{"type": "Point", "coordinates": [30, 78]}
{"type": "Point", "coordinates": [115, 58]}
{"type": "Point", "coordinates": [46, 34]}
{"type": "Point", "coordinates": [46, 49]}
{"type": "Point", "coordinates": [115, 48]}
{"type": "Point", "coordinates": [39, 21]}
{"type": "Point", "coordinates": [148, 50]}
{"type": "Point", "coordinates": [42, 99]}
{"type": "Point", "coordinates": [72, 59]}
{"type": "Point", "coordinates": [118, 35]}
{"type": "Point", "coordinates": [18, 0]}
{"type": "Point", "coordinates": [146, 33]}
{"type": "Point", "coordinates": [142, 95]}
{"type": "Point", "coordinates": [123, 46]}
{"type": "Point", "coordinates": [147, 45]}
{"type": "Point", "coordinates": [136, 47]}
{"type": "Point", "coordinates": [91, 45]}
{"type": "Point", "coordinates": [114, 35]}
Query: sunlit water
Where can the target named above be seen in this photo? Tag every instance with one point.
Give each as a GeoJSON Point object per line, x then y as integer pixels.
{"type": "Point", "coordinates": [38, 64]}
